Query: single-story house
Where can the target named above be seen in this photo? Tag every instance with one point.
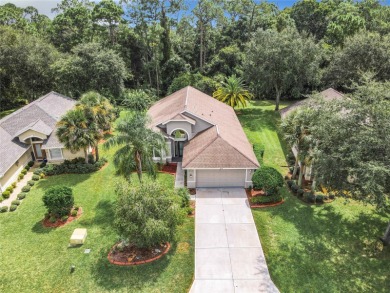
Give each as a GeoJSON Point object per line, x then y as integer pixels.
{"type": "Point", "coordinates": [29, 134]}
{"type": "Point", "coordinates": [206, 136]}
{"type": "Point", "coordinates": [329, 94]}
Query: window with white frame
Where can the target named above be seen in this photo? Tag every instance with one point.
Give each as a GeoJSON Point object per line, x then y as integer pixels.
{"type": "Point", "coordinates": [55, 154]}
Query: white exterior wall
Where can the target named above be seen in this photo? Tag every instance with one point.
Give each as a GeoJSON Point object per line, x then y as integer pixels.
{"type": "Point", "coordinates": [12, 174]}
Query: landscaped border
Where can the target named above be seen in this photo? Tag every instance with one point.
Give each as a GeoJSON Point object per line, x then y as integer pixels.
{"type": "Point", "coordinates": [259, 206]}
{"type": "Point", "coordinates": [135, 263]}
{"type": "Point", "coordinates": [47, 224]}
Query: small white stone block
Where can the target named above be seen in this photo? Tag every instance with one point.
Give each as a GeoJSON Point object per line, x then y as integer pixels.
{"type": "Point", "coordinates": [78, 237]}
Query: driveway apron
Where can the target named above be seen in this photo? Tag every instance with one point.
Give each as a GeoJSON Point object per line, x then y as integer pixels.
{"type": "Point", "coordinates": [228, 253]}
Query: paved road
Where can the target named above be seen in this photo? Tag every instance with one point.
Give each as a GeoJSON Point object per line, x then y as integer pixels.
{"type": "Point", "coordinates": [228, 253]}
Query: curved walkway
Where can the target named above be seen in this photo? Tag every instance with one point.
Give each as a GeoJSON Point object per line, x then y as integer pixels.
{"type": "Point", "coordinates": [228, 253]}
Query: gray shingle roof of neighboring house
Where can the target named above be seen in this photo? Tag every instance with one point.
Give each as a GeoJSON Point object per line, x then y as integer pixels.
{"type": "Point", "coordinates": [40, 115]}
{"type": "Point", "coordinates": [328, 94]}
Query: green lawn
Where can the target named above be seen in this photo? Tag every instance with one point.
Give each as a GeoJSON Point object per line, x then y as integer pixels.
{"type": "Point", "coordinates": [328, 248]}
{"type": "Point", "coordinates": [260, 123]}
{"type": "Point", "coordinates": [37, 259]}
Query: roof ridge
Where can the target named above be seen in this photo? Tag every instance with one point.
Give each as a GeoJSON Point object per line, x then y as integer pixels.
{"type": "Point", "coordinates": [205, 147]}
{"type": "Point", "coordinates": [186, 101]}
{"type": "Point", "coordinates": [35, 102]}
{"type": "Point", "coordinates": [240, 151]}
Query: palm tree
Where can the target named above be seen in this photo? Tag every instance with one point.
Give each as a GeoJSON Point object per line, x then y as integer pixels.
{"type": "Point", "coordinates": [99, 112]}
{"type": "Point", "coordinates": [76, 132]}
{"type": "Point", "coordinates": [233, 92]}
{"type": "Point", "coordinates": [137, 143]}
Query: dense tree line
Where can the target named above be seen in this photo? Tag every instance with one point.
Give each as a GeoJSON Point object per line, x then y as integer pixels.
{"type": "Point", "coordinates": [162, 45]}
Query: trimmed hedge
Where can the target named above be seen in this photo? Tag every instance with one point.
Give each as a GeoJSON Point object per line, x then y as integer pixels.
{"type": "Point", "coordinates": [3, 209]}
{"type": "Point", "coordinates": [266, 199]}
{"type": "Point", "coordinates": [22, 195]}
{"type": "Point", "coordinates": [36, 177]}
{"type": "Point", "coordinates": [31, 163]}
{"type": "Point", "coordinates": [75, 166]}
{"type": "Point", "coordinates": [15, 202]}
{"type": "Point", "coordinates": [13, 208]}
{"type": "Point", "coordinates": [268, 179]}
{"type": "Point", "coordinates": [26, 188]}
{"type": "Point", "coordinates": [21, 176]}
{"type": "Point", "coordinates": [6, 194]}
{"type": "Point", "coordinates": [24, 172]}
{"type": "Point", "coordinates": [31, 182]}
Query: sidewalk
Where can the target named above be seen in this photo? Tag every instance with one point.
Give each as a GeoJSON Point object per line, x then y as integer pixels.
{"type": "Point", "coordinates": [18, 188]}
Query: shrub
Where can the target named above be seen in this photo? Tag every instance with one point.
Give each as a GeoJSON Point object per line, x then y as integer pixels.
{"type": "Point", "coordinates": [13, 208]}
{"type": "Point", "coordinates": [331, 195]}
{"type": "Point", "coordinates": [300, 192]}
{"type": "Point", "coordinates": [31, 182]}
{"type": "Point", "coordinates": [15, 202]}
{"type": "Point", "coordinates": [1, 198]}
{"type": "Point", "coordinates": [26, 188]}
{"type": "Point", "coordinates": [73, 213]}
{"type": "Point", "coordinates": [27, 167]}
{"type": "Point", "coordinates": [14, 185]}
{"type": "Point", "coordinates": [266, 199]}
{"type": "Point", "coordinates": [184, 197]}
{"type": "Point", "coordinates": [24, 172]}
{"type": "Point", "coordinates": [3, 209]}
{"type": "Point", "coordinates": [76, 208]}
{"type": "Point", "coordinates": [6, 194]}
{"type": "Point", "coordinates": [22, 195]}
{"type": "Point", "coordinates": [91, 159]}
{"type": "Point", "coordinates": [189, 210]}
{"type": "Point", "coordinates": [52, 219]}
{"type": "Point", "coordinates": [38, 171]}
{"type": "Point", "coordinates": [268, 179]}
{"type": "Point", "coordinates": [36, 177]}
{"type": "Point", "coordinates": [59, 200]}
{"type": "Point", "coordinates": [20, 177]}
{"type": "Point", "coordinates": [31, 163]}
{"type": "Point", "coordinates": [42, 165]}
{"type": "Point", "coordinates": [319, 197]}
{"type": "Point", "coordinates": [10, 189]}
{"type": "Point", "coordinates": [310, 197]}
{"type": "Point", "coordinates": [64, 218]}
{"type": "Point", "coordinates": [294, 188]}
{"type": "Point", "coordinates": [147, 215]}
{"type": "Point", "coordinates": [290, 183]}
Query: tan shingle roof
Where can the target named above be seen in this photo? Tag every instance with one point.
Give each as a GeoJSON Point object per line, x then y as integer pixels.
{"type": "Point", "coordinates": [328, 94]}
{"type": "Point", "coordinates": [227, 139]}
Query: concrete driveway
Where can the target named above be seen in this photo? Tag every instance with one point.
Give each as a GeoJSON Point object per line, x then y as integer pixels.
{"type": "Point", "coordinates": [228, 253]}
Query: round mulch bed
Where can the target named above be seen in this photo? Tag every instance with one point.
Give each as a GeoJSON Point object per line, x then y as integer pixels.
{"type": "Point", "coordinates": [59, 223]}
{"type": "Point", "coordinates": [131, 256]}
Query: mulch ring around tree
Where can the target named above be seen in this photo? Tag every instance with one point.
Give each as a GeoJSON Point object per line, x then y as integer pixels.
{"type": "Point", "coordinates": [252, 193]}
{"type": "Point", "coordinates": [59, 223]}
{"type": "Point", "coordinates": [131, 256]}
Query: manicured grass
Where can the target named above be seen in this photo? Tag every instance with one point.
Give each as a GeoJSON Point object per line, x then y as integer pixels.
{"type": "Point", "coordinates": [328, 248]}
{"type": "Point", "coordinates": [37, 259]}
{"type": "Point", "coordinates": [260, 123]}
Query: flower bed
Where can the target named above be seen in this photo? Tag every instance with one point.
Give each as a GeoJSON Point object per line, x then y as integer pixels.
{"type": "Point", "coordinates": [59, 222]}
{"type": "Point", "coordinates": [258, 199]}
{"type": "Point", "coordinates": [131, 256]}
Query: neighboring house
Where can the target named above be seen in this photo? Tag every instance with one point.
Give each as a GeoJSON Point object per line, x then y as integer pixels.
{"type": "Point", "coordinates": [29, 134]}
{"type": "Point", "coordinates": [328, 95]}
{"type": "Point", "coordinates": [207, 137]}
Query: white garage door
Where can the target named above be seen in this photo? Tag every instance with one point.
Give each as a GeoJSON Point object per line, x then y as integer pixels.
{"type": "Point", "coordinates": [220, 178]}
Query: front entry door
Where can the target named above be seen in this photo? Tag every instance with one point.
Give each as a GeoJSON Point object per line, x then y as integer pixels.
{"type": "Point", "coordinates": [179, 146]}
{"type": "Point", "coordinates": [38, 151]}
